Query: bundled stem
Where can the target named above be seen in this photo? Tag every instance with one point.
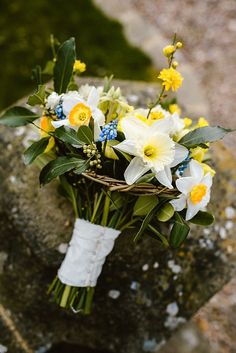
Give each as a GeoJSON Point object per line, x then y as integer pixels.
{"type": "Point", "coordinates": [79, 299]}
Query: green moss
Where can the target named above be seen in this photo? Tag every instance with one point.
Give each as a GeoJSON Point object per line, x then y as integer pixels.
{"type": "Point", "coordinates": [25, 28]}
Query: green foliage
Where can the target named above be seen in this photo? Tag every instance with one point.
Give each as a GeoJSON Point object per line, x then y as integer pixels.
{"type": "Point", "coordinates": [144, 205]}
{"type": "Point", "coordinates": [68, 135]}
{"type": "Point", "coordinates": [165, 213]}
{"type": "Point", "coordinates": [26, 42]}
{"type": "Point", "coordinates": [203, 218]}
{"type": "Point", "coordinates": [59, 166]}
{"type": "Point", "coordinates": [35, 150]}
{"type": "Point", "coordinates": [85, 135]}
{"type": "Point", "coordinates": [63, 68]}
{"type": "Point", "coordinates": [17, 116]}
{"type": "Point", "coordinates": [147, 178]}
{"type": "Point", "coordinates": [117, 201]}
{"type": "Point", "coordinates": [38, 97]}
{"type": "Point", "coordinates": [179, 231]}
{"type": "Point", "coordinates": [203, 135]}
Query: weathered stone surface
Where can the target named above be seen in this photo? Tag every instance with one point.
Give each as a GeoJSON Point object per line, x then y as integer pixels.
{"type": "Point", "coordinates": [158, 289]}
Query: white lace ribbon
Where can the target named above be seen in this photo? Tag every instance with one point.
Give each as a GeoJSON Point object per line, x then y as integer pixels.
{"type": "Point", "coordinates": [88, 248]}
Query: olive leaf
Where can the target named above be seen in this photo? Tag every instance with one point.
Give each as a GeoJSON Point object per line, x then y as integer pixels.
{"type": "Point", "coordinates": [63, 68]}
{"type": "Point", "coordinates": [203, 135]}
{"type": "Point", "coordinates": [59, 166]}
{"type": "Point", "coordinates": [35, 150]}
{"type": "Point", "coordinates": [17, 116]}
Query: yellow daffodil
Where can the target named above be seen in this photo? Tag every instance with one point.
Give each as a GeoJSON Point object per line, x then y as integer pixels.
{"type": "Point", "coordinates": [208, 169]}
{"type": "Point", "coordinates": [202, 122]}
{"type": "Point", "coordinates": [46, 127]}
{"type": "Point", "coordinates": [174, 108]}
{"type": "Point", "coordinates": [171, 78]}
{"type": "Point", "coordinates": [187, 122]}
{"type": "Point", "coordinates": [198, 153]}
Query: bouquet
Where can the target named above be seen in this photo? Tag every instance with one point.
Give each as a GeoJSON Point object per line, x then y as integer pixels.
{"type": "Point", "coordinates": [120, 166]}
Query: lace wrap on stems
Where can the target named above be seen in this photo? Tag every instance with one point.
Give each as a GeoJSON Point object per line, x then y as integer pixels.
{"type": "Point", "coordinates": [88, 248]}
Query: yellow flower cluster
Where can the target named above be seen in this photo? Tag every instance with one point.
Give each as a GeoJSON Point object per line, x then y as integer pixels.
{"type": "Point", "coordinates": [79, 66]}
{"type": "Point", "coordinates": [171, 78]}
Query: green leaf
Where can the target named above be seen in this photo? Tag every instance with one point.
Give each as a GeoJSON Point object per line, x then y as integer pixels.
{"type": "Point", "coordinates": [57, 167]}
{"type": "Point", "coordinates": [85, 135]}
{"type": "Point", "coordinates": [107, 83]}
{"type": "Point", "coordinates": [203, 218]}
{"type": "Point", "coordinates": [117, 201]}
{"type": "Point", "coordinates": [144, 205]}
{"type": "Point", "coordinates": [203, 135]}
{"type": "Point", "coordinates": [113, 143]}
{"type": "Point", "coordinates": [147, 178]}
{"type": "Point", "coordinates": [147, 220]}
{"type": "Point", "coordinates": [17, 116]}
{"type": "Point", "coordinates": [165, 213]}
{"type": "Point", "coordinates": [37, 74]}
{"type": "Point", "coordinates": [68, 135]}
{"type": "Point", "coordinates": [35, 150]}
{"type": "Point", "coordinates": [179, 231]}
{"type": "Point", "coordinates": [49, 67]}
{"type": "Point", "coordinates": [38, 97]}
{"type": "Point", "coordinates": [81, 168]}
{"type": "Point", "coordinates": [63, 68]}
{"type": "Point", "coordinates": [155, 234]}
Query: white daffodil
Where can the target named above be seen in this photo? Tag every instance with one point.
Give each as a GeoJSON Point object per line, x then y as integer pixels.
{"type": "Point", "coordinates": [160, 116]}
{"type": "Point", "coordinates": [153, 150]}
{"type": "Point", "coordinates": [195, 190]}
{"type": "Point", "coordinates": [53, 100]}
{"type": "Point", "coordinates": [85, 90]}
{"type": "Point", "coordinates": [78, 111]}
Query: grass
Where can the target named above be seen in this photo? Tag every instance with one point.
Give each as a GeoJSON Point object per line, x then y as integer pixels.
{"type": "Point", "coordinates": [25, 28]}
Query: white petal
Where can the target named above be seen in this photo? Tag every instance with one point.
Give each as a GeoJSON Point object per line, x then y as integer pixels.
{"type": "Point", "coordinates": [128, 147]}
{"type": "Point", "coordinates": [178, 124]}
{"type": "Point", "coordinates": [196, 170]}
{"type": "Point", "coordinates": [181, 154]}
{"type": "Point", "coordinates": [59, 123]}
{"type": "Point", "coordinates": [133, 128]}
{"type": "Point", "coordinates": [192, 210]}
{"type": "Point", "coordinates": [70, 99]}
{"type": "Point", "coordinates": [135, 170]}
{"type": "Point", "coordinates": [186, 184]}
{"type": "Point", "coordinates": [98, 116]}
{"type": "Point", "coordinates": [97, 131]}
{"type": "Point", "coordinates": [165, 177]}
{"type": "Point", "coordinates": [93, 98]}
{"type": "Point", "coordinates": [207, 180]}
{"type": "Point", "coordinates": [180, 203]}
{"type": "Point", "coordinates": [53, 100]}
{"type": "Point", "coordinates": [162, 125]}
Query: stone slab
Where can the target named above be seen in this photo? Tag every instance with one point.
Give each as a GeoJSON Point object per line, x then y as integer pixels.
{"type": "Point", "coordinates": [158, 290]}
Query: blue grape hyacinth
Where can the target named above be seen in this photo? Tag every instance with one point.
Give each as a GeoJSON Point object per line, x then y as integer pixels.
{"type": "Point", "coordinates": [109, 131]}
{"type": "Point", "coordinates": [184, 165]}
{"type": "Point", "coordinates": [59, 112]}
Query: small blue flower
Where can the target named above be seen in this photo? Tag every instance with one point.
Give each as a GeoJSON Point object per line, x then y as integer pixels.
{"type": "Point", "coordinates": [184, 165]}
{"type": "Point", "coordinates": [109, 131]}
{"type": "Point", "coordinates": [59, 112]}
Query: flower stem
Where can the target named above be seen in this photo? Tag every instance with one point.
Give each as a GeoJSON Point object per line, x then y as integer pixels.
{"type": "Point", "coordinates": [65, 296]}
{"type": "Point", "coordinates": [96, 207]}
{"type": "Point", "coordinates": [106, 209]}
